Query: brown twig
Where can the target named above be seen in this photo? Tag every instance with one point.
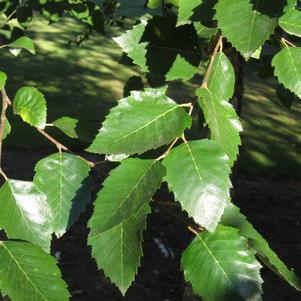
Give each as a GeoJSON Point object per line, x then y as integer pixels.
{"type": "Point", "coordinates": [61, 146]}
{"type": "Point", "coordinates": [5, 103]}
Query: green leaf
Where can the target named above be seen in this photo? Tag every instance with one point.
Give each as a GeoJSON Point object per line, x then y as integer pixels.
{"type": "Point", "coordinates": [185, 10]}
{"type": "Point", "coordinates": [223, 122]}
{"type": "Point", "coordinates": [7, 129]}
{"type": "Point", "coordinates": [67, 125]}
{"type": "Point", "coordinates": [24, 213]}
{"type": "Point", "coordinates": [221, 267]}
{"type": "Point", "coordinates": [23, 43]}
{"type": "Point", "coordinates": [28, 273]}
{"type": "Point", "coordinates": [3, 78]}
{"type": "Point", "coordinates": [143, 121]}
{"type": "Point", "coordinates": [287, 65]}
{"type": "Point", "coordinates": [59, 177]}
{"type": "Point", "coordinates": [30, 104]}
{"type": "Point", "coordinates": [154, 3]}
{"type": "Point", "coordinates": [250, 29]}
{"type": "Point", "coordinates": [221, 81]}
{"type": "Point", "coordinates": [290, 21]}
{"type": "Point", "coordinates": [130, 43]}
{"type": "Point", "coordinates": [155, 46]}
{"type": "Point", "coordinates": [203, 31]}
{"type": "Point", "coordinates": [198, 174]}
{"type": "Point", "coordinates": [120, 217]}
{"type": "Point", "coordinates": [232, 217]}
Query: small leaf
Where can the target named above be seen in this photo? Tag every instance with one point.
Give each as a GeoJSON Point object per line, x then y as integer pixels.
{"type": "Point", "coordinates": [221, 267]}
{"type": "Point", "coordinates": [120, 217]}
{"type": "Point", "coordinates": [143, 121]}
{"type": "Point", "coordinates": [163, 58]}
{"type": "Point", "coordinates": [23, 43]}
{"type": "Point", "coordinates": [198, 174]}
{"type": "Point", "coordinates": [25, 214]}
{"type": "Point", "coordinates": [30, 104]}
{"type": "Point", "coordinates": [234, 218]}
{"type": "Point", "coordinates": [28, 273]}
{"type": "Point", "coordinates": [250, 29]}
{"type": "Point", "coordinates": [67, 125]}
{"type": "Point", "coordinates": [7, 129]}
{"type": "Point", "coordinates": [60, 177]}
{"type": "Point", "coordinates": [185, 10]}
{"type": "Point", "coordinates": [287, 65]}
{"type": "Point", "coordinates": [291, 20]}
{"type": "Point", "coordinates": [3, 78]}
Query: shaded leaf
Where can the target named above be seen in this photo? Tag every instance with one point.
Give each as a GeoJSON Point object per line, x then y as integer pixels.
{"type": "Point", "coordinates": [67, 125]}
{"type": "Point", "coordinates": [23, 43]}
{"type": "Point", "coordinates": [120, 217]}
{"type": "Point", "coordinates": [25, 214]}
{"type": "Point", "coordinates": [30, 104]}
{"type": "Point", "coordinates": [250, 29]}
{"type": "Point", "coordinates": [142, 121]}
{"type": "Point", "coordinates": [28, 273]}
{"type": "Point", "coordinates": [232, 217]}
{"type": "Point", "coordinates": [59, 177]}
{"type": "Point", "coordinates": [287, 65]}
{"type": "Point", "coordinates": [221, 267]}
{"type": "Point", "coordinates": [163, 50]}
{"type": "Point", "coordinates": [197, 172]}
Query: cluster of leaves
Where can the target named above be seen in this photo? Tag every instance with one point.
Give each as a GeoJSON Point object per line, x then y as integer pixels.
{"type": "Point", "coordinates": [223, 260]}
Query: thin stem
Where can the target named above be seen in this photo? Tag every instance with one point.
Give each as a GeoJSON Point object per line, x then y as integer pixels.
{"type": "Point", "coordinates": [218, 45]}
{"type": "Point", "coordinates": [59, 145]}
{"type": "Point", "coordinates": [5, 103]}
{"type": "Point", "coordinates": [287, 42]}
{"type": "Point", "coordinates": [8, 18]}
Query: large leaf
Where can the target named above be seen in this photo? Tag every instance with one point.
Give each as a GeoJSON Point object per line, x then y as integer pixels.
{"type": "Point", "coordinates": [24, 213]}
{"type": "Point", "coordinates": [287, 65]}
{"type": "Point", "coordinates": [60, 177]}
{"type": "Point", "coordinates": [198, 174]}
{"type": "Point", "coordinates": [223, 122]}
{"type": "Point", "coordinates": [3, 78]}
{"type": "Point", "coordinates": [163, 50]}
{"type": "Point", "coordinates": [249, 30]}
{"type": "Point", "coordinates": [140, 122]}
{"type": "Point", "coordinates": [234, 218]}
{"type": "Point", "coordinates": [30, 104]}
{"type": "Point", "coordinates": [28, 273]}
{"type": "Point", "coordinates": [119, 218]}
{"type": "Point", "coordinates": [23, 43]}
{"type": "Point", "coordinates": [67, 125]}
{"type": "Point", "coordinates": [221, 267]}
{"type": "Point", "coordinates": [290, 21]}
